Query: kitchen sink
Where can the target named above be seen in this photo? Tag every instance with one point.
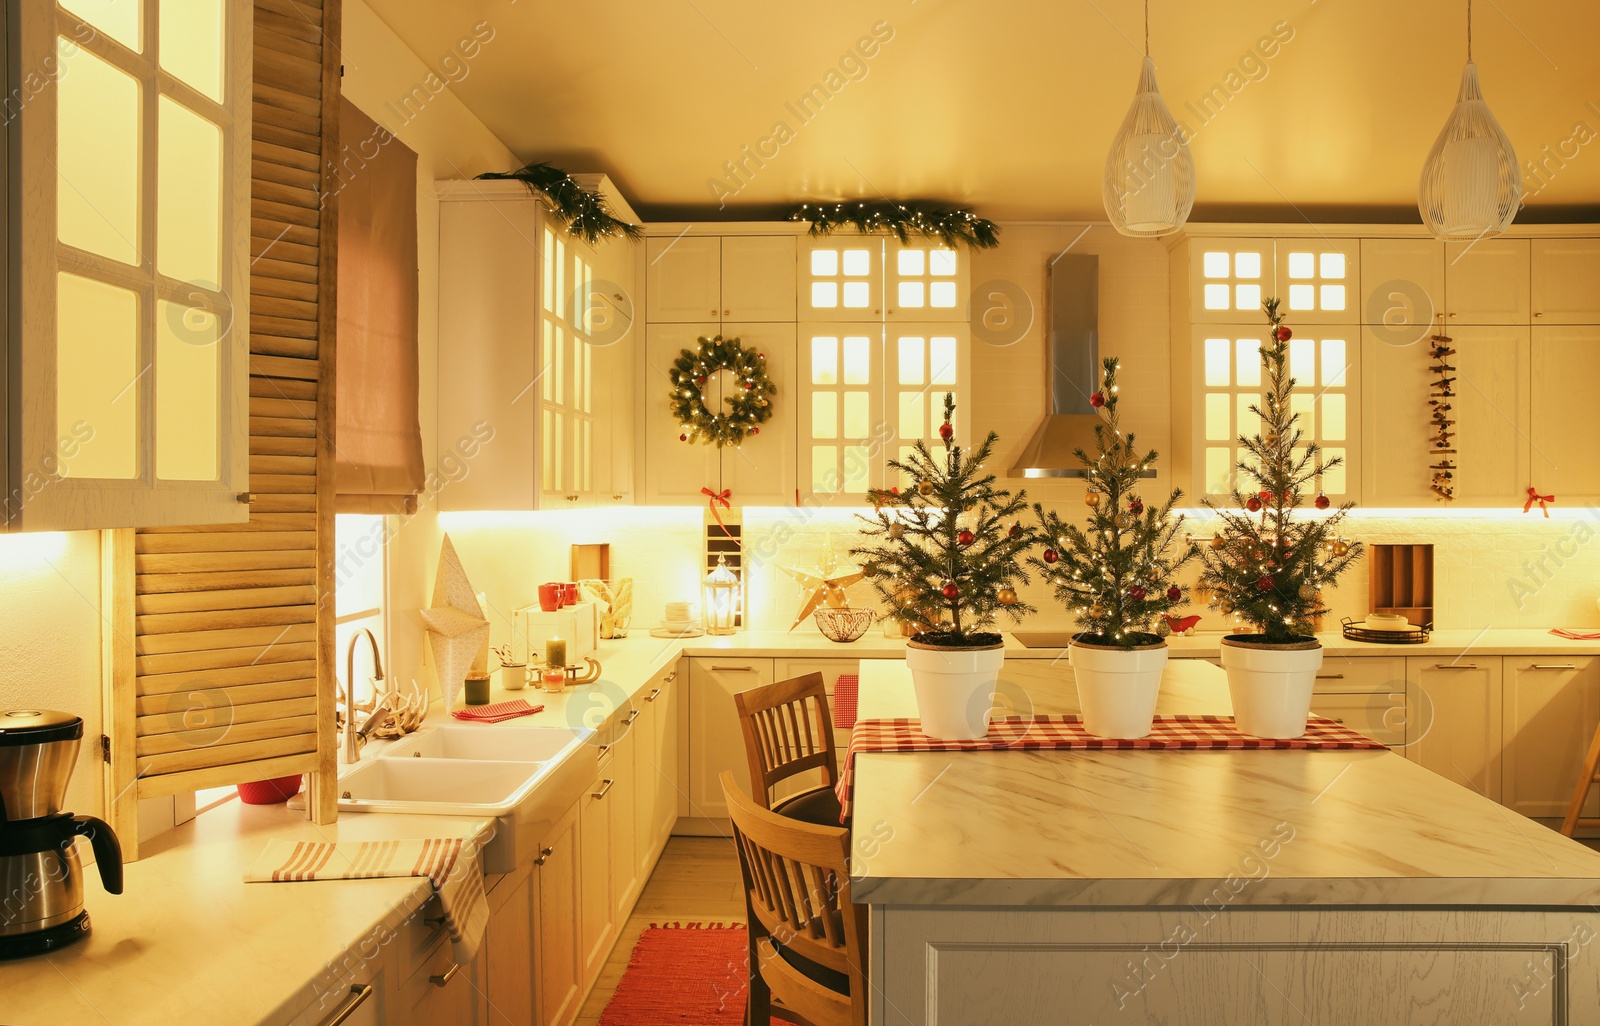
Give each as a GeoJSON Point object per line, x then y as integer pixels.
{"type": "Point", "coordinates": [448, 786]}
{"type": "Point", "coordinates": [507, 744]}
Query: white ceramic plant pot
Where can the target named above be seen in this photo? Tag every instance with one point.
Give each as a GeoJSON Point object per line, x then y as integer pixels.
{"type": "Point", "coordinates": [1117, 687]}
{"type": "Point", "coordinates": [955, 688]}
{"type": "Point", "coordinates": [1270, 684]}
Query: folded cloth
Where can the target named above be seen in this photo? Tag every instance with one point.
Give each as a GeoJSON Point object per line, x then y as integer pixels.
{"type": "Point", "coordinates": [1575, 635]}
{"type": "Point", "coordinates": [845, 692]}
{"type": "Point", "coordinates": [450, 864]}
{"type": "Point", "coordinates": [497, 712]}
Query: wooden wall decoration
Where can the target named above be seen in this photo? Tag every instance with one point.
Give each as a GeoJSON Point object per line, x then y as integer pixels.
{"type": "Point", "coordinates": [221, 645]}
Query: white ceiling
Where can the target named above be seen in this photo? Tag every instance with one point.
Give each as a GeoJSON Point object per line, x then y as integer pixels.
{"type": "Point", "coordinates": [1008, 106]}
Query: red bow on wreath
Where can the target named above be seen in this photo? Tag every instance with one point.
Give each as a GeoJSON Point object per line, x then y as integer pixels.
{"type": "Point", "coordinates": [1533, 497]}
{"type": "Point", "coordinates": [721, 497]}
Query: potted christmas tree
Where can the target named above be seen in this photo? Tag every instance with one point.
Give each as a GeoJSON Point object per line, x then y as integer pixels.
{"type": "Point", "coordinates": [1267, 566]}
{"type": "Point", "coordinates": [1117, 573]}
{"type": "Point", "coordinates": [945, 558]}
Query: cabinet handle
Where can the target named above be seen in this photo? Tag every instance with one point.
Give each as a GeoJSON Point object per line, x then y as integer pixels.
{"type": "Point", "coordinates": [669, 678]}
{"type": "Point", "coordinates": [726, 312]}
{"type": "Point", "coordinates": [1554, 666]}
{"type": "Point", "coordinates": [604, 787]}
{"type": "Point", "coordinates": [1330, 676]}
{"type": "Point", "coordinates": [1538, 314]}
{"type": "Point", "coordinates": [740, 669]}
{"type": "Point", "coordinates": [631, 717]}
{"type": "Point", "coordinates": [433, 922]}
{"type": "Point", "coordinates": [1455, 666]}
{"type": "Point", "coordinates": [544, 853]}
{"type": "Point", "coordinates": [652, 696]}
{"type": "Point", "coordinates": [444, 978]}
{"type": "Point", "coordinates": [603, 750]}
{"type": "Point", "coordinates": [358, 997]}
{"type": "Point", "coordinates": [246, 498]}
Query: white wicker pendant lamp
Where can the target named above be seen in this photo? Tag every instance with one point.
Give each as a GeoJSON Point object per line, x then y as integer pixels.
{"type": "Point", "coordinates": [1149, 180]}
{"type": "Point", "coordinates": [1470, 186]}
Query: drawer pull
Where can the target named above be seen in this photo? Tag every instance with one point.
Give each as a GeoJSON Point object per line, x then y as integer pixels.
{"type": "Point", "coordinates": [669, 678]}
{"type": "Point", "coordinates": [604, 787]}
{"type": "Point", "coordinates": [544, 853]}
{"type": "Point", "coordinates": [739, 669]}
{"type": "Point", "coordinates": [631, 717]}
{"type": "Point", "coordinates": [1330, 676]}
{"type": "Point", "coordinates": [1555, 666]}
{"type": "Point", "coordinates": [602, 750]}
{"type": "Point", "coordinates": [358, 997]}
{"type": "Point", "coordinates": [1455, 666]}
{"type": "Point", "coordinates": [433, 922]}
{"type": "Point", "coordinates": [652, 696]}
{"type": "Point", "coordinates": [444, 978]}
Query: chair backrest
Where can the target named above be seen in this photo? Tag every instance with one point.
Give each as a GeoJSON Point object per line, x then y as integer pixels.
{"type": "Point", "coordinates": [788, 729]}
{"type": "Point", "coordinates": [797, 887]}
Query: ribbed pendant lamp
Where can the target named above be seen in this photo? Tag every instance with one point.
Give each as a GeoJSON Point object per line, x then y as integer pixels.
{"type": "Point", "coordinates": [1149, 181]}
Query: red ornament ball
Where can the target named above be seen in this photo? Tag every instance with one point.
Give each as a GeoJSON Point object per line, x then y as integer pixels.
{"type": "Point", "coordinates": [1174, 593]}
{"type": "Point", "coordinates": [683, 438]}
{"type": "Point", "coordinates": [1284, 334]}
{"type": "Point", "coordinates": [1264, 583]}
{"type": "Point", "coordinates": [1097, 400]}
{"type": "Point", "coordinates": [1051, 555]}
{"type": "Point", "coordinates": [1321, 501]}
{"type": "Point", "coordinates": [749, 385]}
{"type": "Point", "coordinates": [1252, 504]}
{"type": "Point", "coordinates": [965, 537]}
{"type": "Point", "coordinates": [1136, 592]}
{"type": "Point", "coordinates": [700, 380]}
{"type": "Point", "coordinates": [1136, 506]}
{"type": "Point", "coordinates": [1266, 494]}
{"type": "Point", "coordinates": [950, 590]}
{"type": "Point", "coordinates": [946, 432]}
{"type": "Point", "coordinates": [755, 431]}
{"type": "Point", "coordinates": [1015, 532]}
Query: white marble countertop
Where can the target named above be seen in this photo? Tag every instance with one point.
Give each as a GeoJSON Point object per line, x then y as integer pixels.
{"type": "Point", "coordinates": [1144, 828]}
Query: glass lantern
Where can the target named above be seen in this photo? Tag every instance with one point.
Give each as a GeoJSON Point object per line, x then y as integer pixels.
{"type": "Point", "coordinates": [721, 599]}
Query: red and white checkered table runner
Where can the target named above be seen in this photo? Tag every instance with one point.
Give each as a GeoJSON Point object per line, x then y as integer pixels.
{"type": "Point", "coordinates": [1169, 733]}
{"type": "Point", "coordinates": [845, 692]}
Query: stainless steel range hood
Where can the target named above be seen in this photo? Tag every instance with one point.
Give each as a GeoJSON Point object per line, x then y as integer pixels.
{"type": "Point", "coordinates": [1072, 371]}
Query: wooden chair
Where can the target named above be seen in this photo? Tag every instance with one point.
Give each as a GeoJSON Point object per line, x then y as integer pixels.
{"type": "Point", "coordinates": [788, 730]}
{"type": "Point", "coordinates": [1587, 778]}
{"type": "Point", "coordinates": [808, 941]}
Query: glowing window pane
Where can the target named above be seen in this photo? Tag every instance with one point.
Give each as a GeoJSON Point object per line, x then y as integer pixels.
{"type": "Point", "coordinates": [191, 43]}
{"type": "Point", "coordinates": [1218, 405]}
{"type": "Point", "coordinates": [905, 452]}
{"type": "Point", "coordinates": [1249, 363]}
{"type": "Point", "coordinates": [587, 402]}
{"type": "Point", "coordinates": [1215, 265]}
{"type": "Point", "coordinates": [1247, 423]}
{"type": "Point", "coordinates": [97, 350]}
{"type": "Point", "coordinates": [824, 295]}
{"type": "Point", "coordinates": [1331, 265]}
{"type": "Point", "coordinates": [1219, 470]}
{"type": "Point", "coordinates": [942, 263]}
{"type": "Point", "coordinates": [1333, 478]}
{"type": "Point", "coordinates": [857, 360]}
{"type": "Point", "coordinates": [188, 195]}
{"type": "Point", "coordinates": [857, 263]}
{"type": "Point", "coordinates": [1333, 417]}
{"type": "Point", "coordinates": [911, 293]}
{"type": "Point", "coordinates": [1304, 407]}
{"type": "Point", "coordinates": [942, 294]}
{"type": "Point", "coordinates": [1303, 361]}
{"type": "Point", "coordinates": [1247, 265]}
{"type": "Point", "coordinates": [1333, 297]}
{"type": "Point", "coordinates": [857, 418]}
{"type": "Point", "coordinates": [824, 415]}
{"type": "Point", "coordinates": [824, 469]}
{"type": "Point", "coordinates": [1302, 297]}
{"type": "Point", "coordinates": [824, 361]}
{"type": "Point", "coordinates": [912, 370]}
{"type": "Point", "coordinates": [825, 262]}
{"type": "Point", "coordinates": [913, 414]}
{"type": "Point", "coordinates": [119, 19]}
{"type": "Point", "coordinates": [857, 294]}
{"type": "Point", "coordinates": [558, 370]}
{"type": "Point", "coordinates": [1217, 297]}
{"type": "Point", "coordinates": [909, 262]}
{"type": "Point", "coordinates": [856, 465]}
{"type": "Point", "coordinates": [547, 362]}
{"type": "Point", "coordinates": [547, 475]}
{"type": "Point", "coordinates": [1247, 297]}
{"type": "Point", "coordinates": [560, 257]}
{"type": "Point", "coordinates": [1302, 265]}
{"type": "Point", "coordinates": [1216, 361]}
{"type": "Point", "coordinates": [942, 360]}
{"type": "Point", "coordinates": [549, 268]}
{"type": "Point", "coordinates": [97, 155]}
{"type": "Point", "coordinates": [1334, 363]}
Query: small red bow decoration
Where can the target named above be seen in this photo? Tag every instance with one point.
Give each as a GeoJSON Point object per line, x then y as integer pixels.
{"type": "Point", "coordinates": [717, 497]}
{"type": "Point", "coordinates": [1533, 497]}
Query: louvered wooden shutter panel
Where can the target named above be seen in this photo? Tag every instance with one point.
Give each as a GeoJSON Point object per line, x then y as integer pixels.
{"type": "Point", "coordinates": [222, 636]}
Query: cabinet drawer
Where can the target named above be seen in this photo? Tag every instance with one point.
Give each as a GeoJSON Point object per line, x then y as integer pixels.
{"type": "Point", "coordinates": [1361, 675]}
{"type": "Point", "coordinates": [420, 936]}
{"type": "Point", "coordinates": [1381, 717]}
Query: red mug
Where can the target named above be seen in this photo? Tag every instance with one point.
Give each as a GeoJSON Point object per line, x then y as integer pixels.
{"type": "Point", "coordinates": [551, 596]}
{"type": "Point", "coordinates": [569, 593]}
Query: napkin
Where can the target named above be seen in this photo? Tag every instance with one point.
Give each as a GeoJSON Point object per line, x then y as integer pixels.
{"type": "Point", "coordinates": [499, 711]}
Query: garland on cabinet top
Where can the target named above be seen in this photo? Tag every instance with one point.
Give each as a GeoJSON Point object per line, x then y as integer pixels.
{"type": "Point", "coordinates": [582, 212]}
{"type": "Point", "coordinates": [750, 404]}
{"type": "Point", "coordinates": [1118, 571]}
{"type": "Point", "coordinates": [902, 220]}
{"type": "Point", "coordinates": [1264, 565]}
{"type": "Point", "coordinates": [947, 562]}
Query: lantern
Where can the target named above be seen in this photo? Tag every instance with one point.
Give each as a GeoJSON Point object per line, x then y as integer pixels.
{"type": "Point", "coordinates": [721, 599]}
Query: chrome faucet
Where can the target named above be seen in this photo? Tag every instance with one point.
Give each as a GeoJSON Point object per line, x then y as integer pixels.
{"type": "Point", "coordinates": [356, 737]}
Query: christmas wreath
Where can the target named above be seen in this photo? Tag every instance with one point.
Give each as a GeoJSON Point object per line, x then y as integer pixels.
{"type": "Point", "coordinates": [737, 415]}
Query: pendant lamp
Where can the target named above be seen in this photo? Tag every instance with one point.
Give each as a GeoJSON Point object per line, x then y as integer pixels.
{"type": "Point", "coordinates": [1470, 185]}
{"type": "Point", "coordinates": [1149, 181]}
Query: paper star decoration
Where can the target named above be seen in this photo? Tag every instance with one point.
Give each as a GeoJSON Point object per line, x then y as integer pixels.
{"type": "Point", "coordinates": [458, 632]}
{"type": "Point", "coordinates": [825, 584]}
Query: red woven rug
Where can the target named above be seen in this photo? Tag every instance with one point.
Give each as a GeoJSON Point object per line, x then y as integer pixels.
{"type": "Point", "coordinates": [681, 974]}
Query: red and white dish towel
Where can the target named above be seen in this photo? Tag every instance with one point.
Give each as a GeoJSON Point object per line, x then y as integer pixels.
{"type": "Point", "coordinates": [497, 712]}
{"type": "Point", "coordinates": [450, 864]}
{"type": "Point", "coordinates": [1575, 635]}
{"type": "Point", "coordinates": [1170, 733]}
{"type": "Point", "coordinates": [845, 692]}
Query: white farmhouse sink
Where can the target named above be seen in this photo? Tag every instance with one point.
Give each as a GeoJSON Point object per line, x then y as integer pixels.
{"type": "Point", "coordinates": [507, 744]}
{"type": "Point", "coordinates": [449, 787]}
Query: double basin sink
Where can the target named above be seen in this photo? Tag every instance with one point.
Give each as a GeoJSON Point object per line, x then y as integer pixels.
{"type": "Point", "coordinates": [525, 778]}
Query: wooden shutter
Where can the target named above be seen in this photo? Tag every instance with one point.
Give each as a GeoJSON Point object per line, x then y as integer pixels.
{"type": "Point", "coordinates": [221, 642]}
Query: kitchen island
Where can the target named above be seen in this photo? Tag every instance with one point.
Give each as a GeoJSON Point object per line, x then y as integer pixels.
{"type": "Point", "coordinates": [1205, 887]}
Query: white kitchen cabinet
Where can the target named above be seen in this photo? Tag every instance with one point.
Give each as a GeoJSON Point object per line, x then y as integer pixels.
{"type": "Point", "coordinates": [1402, 288]}
{"type": "Point", "coordinates": [1487, 281]}
{"type": "Point", "coordinates": [1563, 416]}
{"type": "Point", "coordinates": [622, 800]}
{"type": "Point", "coordinates": [1566, 281]}
{"type": "Point", "coordinates": [735, 278]}
{"type": "Point", "coordinates": [1362, 675]}
{"type": "Point", "coordinates": [558, 951]}
{"type": "Point", "coordinates": [509, 979]}
{"type": "Point", "coordinates": [442, 992]}
{"type": "Point", "coordinates": [761, 471]}
{"type": "Point", "coordinates": [683, 280]}
{"type": "Point", "coordinates": [1552, 705]}
{"type": "Point", "coordinates": [716, 740]}
{"type": "Point", "coordinates": [656, 759]}
{"type": "Point", "coordinates": [673, 471]}
{"type": "Point", "coordinates": [1455, 713]}
{"type": "Point", "coordinates": [758, 279]}
{"type": "Point", "coordinates": [597, 916]}
{"type": "Point", "coordinates": [1380, 716]}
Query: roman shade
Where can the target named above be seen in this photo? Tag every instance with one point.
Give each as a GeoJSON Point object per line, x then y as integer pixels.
{"type": "Point", "coordinates": [379, 454]}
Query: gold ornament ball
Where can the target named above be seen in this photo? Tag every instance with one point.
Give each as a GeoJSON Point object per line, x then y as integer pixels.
{"type": "Point", "coordinates": [1097, 610]}
{"type": "Point", "coordinates": [1218, 541]}
{"type": "Point", "coordinates": [1225, 606]}
{"type": "Point", "coordinates": [1007, 596]}
{"type": "Point", "coordinates": [897, 531]}
{"type": "Point", "coordinates": [1308, 591]}
{"type": "Point", "coordinates": [1163, 628]}
{"type": "Point", "coordinates": [1124, 521]}
{"type": "Point", "coordinates": [1091, 499]}
{"type": "Point", "coordinates": [833, 597]}
{"type": "Point", "coordinates": [1340, 548]}
{"type": "Point", "coordinates": [925, 487]}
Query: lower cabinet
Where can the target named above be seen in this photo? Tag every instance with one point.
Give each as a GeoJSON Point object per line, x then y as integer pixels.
{"type": "Point", "coordinates": [716, 741]}
{"type": "Point", "coordinates": [508, 978]}
{"type": "Point", "coordinates": [555, 898]}
{"type": "Point", "coordinates": [1456, 720]}
{"type": "Point", "coordinates": [436, 989]}
{"type": "Point", "coordinates": [655, 757]}
{"type": "Point", "coordinates": [1552, 706]}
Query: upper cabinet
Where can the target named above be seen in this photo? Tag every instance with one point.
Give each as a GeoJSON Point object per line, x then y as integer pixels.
{"type": "Point", "coordinates": [1566, 281]}
{"type": "Point", "coordinates": [1486, 282]}
{"type": "Point", "coordinates": [1402, 288]}
{"type": "Point", "coordinates": [706, 278]}
{"type": "Point", "coordinates": [128, 208]}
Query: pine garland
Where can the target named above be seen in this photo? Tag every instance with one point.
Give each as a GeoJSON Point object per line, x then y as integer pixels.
{"type": "Point", "coordinates": [944, 557]}
{"type": "Point", "coordinates": [582, 212]}
{"type": "Point", "coordinates": [1117, 572]}
{"type": "Point", "coordinates": [1266, 566]}
{"type": "Point", "coordinates": [902, 220]}
{"type": "Point", "coordinates": [750, 405]}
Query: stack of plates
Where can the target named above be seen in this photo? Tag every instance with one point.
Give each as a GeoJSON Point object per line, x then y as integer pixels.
{"type": "Point", "coordinates": [1387, 622]}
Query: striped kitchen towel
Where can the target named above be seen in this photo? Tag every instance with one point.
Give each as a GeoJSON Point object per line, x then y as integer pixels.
{"type": "Point", "coordinates": [509, 710]}
{"type": "Point", "coordinates": [450, 865]}
{"type": "Point", "coordinates": [1572, 634]}
{"type": "Point", "coordinates": [845, 692]}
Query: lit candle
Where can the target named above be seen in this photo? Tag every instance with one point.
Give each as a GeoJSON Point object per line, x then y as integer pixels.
{"type": "Point", "coordinates": [555, 652]}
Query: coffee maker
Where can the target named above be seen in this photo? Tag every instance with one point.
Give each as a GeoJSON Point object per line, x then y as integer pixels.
{"type": "Point", "coordinates": [41, 877]}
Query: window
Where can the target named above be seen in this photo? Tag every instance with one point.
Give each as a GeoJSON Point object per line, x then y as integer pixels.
{"type": "Point", "coordinates": [360, 582]}
{"type": "Point", "coordinates": [874, 279]}
{"type": "Point", "coordinates": [1232, 278]}
{"type": "Point", "coordinates": [567, 381]}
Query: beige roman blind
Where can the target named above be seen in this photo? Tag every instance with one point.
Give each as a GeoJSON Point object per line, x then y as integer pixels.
{"type": "Point", "coordinates": [221, 643]}
{"type": "Point", "coordinates": [380, 438]}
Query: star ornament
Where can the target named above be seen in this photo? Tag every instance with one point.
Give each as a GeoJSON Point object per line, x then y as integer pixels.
{"type": "Point", "coordinates": [458, 632]}
{"type": "Point", "coordinates": [823, 586]}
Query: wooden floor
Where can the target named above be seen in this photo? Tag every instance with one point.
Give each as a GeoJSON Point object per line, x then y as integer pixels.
{"type": "Point", "coordinates": [696, 881]}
